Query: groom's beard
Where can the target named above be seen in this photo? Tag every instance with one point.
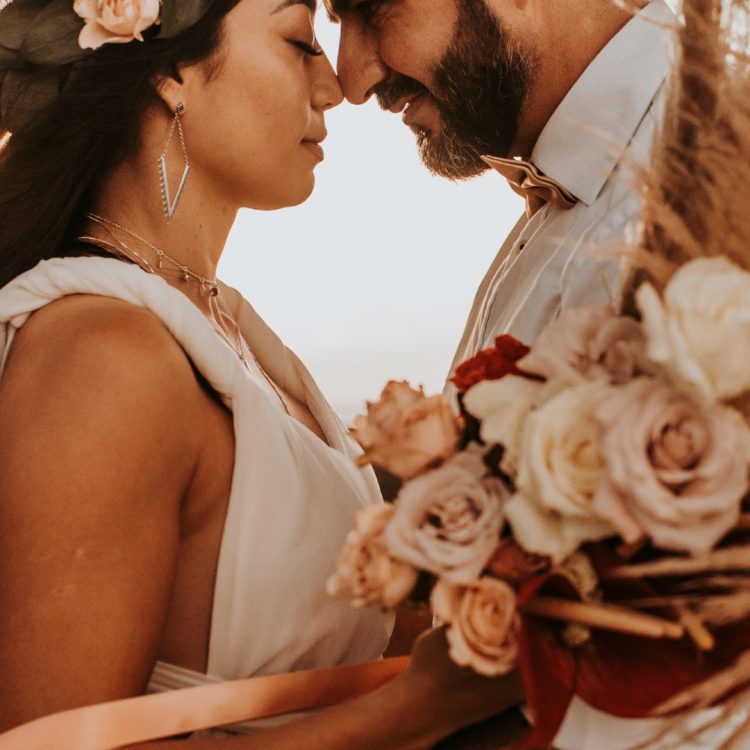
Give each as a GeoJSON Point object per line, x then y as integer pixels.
{"type": "Point", "coordinates": [479, 88]}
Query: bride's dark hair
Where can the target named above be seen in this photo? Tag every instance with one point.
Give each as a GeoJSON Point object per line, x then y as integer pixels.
{"type": "Point", "coordinates": [49, 168]}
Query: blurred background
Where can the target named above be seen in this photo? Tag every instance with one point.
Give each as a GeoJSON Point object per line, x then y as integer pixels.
{"type": "Point", "coordinates": [373, 277]}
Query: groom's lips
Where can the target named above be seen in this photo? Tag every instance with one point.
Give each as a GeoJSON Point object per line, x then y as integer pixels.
{"type": "Point", "coordinates": [404, 103]}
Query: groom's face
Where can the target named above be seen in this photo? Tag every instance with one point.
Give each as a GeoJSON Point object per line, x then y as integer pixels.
{"type": "Point", "coordinates": [449, 65]}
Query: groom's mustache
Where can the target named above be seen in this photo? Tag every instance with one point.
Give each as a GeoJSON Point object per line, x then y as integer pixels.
{"type": "Point", "coordinates": [397, 87]}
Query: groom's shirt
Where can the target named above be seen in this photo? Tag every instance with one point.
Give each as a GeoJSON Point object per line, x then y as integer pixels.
{"type": "Point", "coordinates": [593, 146]}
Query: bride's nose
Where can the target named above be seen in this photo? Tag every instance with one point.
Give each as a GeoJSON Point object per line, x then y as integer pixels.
{"type": "Point", "coordinates": [326, 89]}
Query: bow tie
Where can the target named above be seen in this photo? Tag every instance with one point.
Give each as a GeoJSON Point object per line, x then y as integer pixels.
{"type": "Point", "coordinates": [526, 180]}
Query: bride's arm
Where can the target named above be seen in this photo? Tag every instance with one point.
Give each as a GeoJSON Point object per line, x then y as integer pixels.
{"type": "Point", "coordinates": [98, 438]}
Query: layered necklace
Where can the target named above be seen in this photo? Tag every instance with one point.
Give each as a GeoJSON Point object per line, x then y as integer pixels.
{"type": "Point", "coordinates": [224, 321]}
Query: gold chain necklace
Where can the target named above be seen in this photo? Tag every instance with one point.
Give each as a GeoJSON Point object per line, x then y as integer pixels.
{"type": "Point", "coordinates": [208, 286]}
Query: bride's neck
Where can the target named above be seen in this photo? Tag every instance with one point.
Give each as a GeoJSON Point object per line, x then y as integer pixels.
{"type": "Point", "coordinates": [131, 196]}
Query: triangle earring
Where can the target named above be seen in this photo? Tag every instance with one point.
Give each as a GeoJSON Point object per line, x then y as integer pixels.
{"type": "Point", "coordinates": [170, 203]}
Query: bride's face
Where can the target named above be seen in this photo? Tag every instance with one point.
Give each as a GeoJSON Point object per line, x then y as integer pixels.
{"type": "Point", "coordinates": [252, 125]}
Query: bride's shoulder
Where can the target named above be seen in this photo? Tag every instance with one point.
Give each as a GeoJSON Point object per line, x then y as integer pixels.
{"type": "Point", "coordinates": [91, 355]}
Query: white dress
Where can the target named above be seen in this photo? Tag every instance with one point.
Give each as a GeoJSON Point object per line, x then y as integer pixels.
{"type": "Point", "coordinates": [293, 497]}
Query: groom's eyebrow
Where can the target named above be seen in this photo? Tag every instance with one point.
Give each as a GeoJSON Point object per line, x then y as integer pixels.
{"type": "Point", "coordinates": [312, 5]}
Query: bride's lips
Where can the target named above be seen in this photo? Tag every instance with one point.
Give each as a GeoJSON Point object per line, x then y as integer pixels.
{"type": "Point", "coordinates": [312, 144]}
{"type": "Point", "coordinates": [314, 148]}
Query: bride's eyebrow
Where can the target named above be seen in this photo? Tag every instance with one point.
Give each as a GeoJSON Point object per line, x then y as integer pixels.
{"type": "Point", "coordinates": [312, 5]}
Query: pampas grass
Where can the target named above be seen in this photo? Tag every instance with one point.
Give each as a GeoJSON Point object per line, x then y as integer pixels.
{"type": "Point", "coordinates": [696, 199]}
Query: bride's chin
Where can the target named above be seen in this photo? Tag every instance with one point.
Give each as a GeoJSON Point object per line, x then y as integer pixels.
{"type": "Point", "coordinates": [294, 194]}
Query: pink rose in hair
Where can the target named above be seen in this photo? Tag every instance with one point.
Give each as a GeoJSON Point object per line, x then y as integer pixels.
{"type": "Point", "coordinates": [115, 21]}
{"type": "Point", "coordinates": [484, 624]}
{"type": "Point", "coordinates": [588, 343]}
{"type": "Point", "coordinates": [406, 432]}
{"type": "Point", "coordinates": [448, 521]}
{"type": "Point", "coordinates": [675, 471]}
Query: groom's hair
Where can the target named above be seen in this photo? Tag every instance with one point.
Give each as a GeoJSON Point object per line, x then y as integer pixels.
{"type": "Point", "coordinates": [50, 168]}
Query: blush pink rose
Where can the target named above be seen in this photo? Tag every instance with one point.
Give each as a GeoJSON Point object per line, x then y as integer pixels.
{"type": "Point", "coordinates": [676, 471]}
{"type": "Point", "coordinates": [115, 21]}
{"type": "Point", "coordinates": [365, 572]}
{"type": "Point", "coordinates": [588, 343]}
{"type": "Point", "coordinates": [406, 432]}
{"type": "Point", "coordinates": [448, 521]}
{"type": "Point", "coordinates": [484, 624]}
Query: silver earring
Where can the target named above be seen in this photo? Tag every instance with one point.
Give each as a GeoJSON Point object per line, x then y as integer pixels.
{"type": "Point", "coordinates": [169, 203]}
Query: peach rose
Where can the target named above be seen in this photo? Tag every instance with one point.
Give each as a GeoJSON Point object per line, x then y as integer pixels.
{"type": "Point", "coordinates": [365, 572]}
{"type": "Point", "coordinates": [560, 468]}
{"type": "Point", "coordinates": [115, 21]}
{"type": "Point", "coordinates": [406, 432]}
{"type": "Point", "coordinates": [484, 624]}
{"type": "Point", "coordinates": [588, 343]}
{"type": "Point", "coordinates": [448, 521]}
{"type": "Point", "coordinates": [699, 332]}
{"type": "Point", "coordinates": [676, 471]}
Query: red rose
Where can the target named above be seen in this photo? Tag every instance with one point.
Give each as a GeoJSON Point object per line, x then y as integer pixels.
{"type": "Point", "coordinates": [491, 364]}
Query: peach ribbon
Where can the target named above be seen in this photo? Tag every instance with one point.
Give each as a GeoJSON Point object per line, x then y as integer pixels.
{"type": "Point", "coordinates": [527, 181]}
{"type": "Point", "coordinates": [150, 717]}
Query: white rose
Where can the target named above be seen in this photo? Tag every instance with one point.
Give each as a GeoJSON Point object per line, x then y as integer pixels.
{"type": "Point", "coordinates": [700, 331]}
{"type": "Point", "coordinates": [502, 407]}
{"type": "Point", "coordinates": [560, 468]}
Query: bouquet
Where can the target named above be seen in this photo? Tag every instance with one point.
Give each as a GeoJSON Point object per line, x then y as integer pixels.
{"type": "Point", "coordinates": [586, 515]}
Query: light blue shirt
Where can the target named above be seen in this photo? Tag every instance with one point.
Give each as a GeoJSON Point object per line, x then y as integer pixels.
{"type": "Point", "coordinates": [593, 145]}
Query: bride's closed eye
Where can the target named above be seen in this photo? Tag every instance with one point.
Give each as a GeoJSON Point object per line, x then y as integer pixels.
{"type": "Point", "coordinates": [307, 48]}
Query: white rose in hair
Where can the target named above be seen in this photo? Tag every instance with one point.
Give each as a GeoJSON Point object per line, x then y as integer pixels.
{"type": "Point", "coordinates": [700, 331]}
{"type": "Point", "coordinates": [560, 468]}
{"type": "Point", "coordinates": [115, 21]}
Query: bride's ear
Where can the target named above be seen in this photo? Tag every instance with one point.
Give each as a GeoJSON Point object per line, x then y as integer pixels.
{"type": "Point", "coordinates": [170, 89]}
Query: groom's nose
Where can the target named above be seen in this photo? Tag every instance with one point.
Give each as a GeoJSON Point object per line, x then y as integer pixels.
{"type": "Point", "coordinates": [360, 68]}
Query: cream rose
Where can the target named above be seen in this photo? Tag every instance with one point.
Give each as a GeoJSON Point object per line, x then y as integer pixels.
{"type": "Point", "coordinates": [115, 21]}
{"type": "Point", "coordinates": [484, 624]}
{"type": "Point", "coordinates": [676, 471]}
{"type": "Point", "coordinates": [406, 432]}
{"type": "Point", "coordinates": [588, 343]}
{"type": "Point", "coordinates": [700, 331]}
{"type": "Point", "coordinates": [448, 521]}
{"type": "Point", "coordinates": [502, 407]}
{"type": "Point", "coordinates": [365, 572]}
{"type": "Point", "coordinates": [560, 469]}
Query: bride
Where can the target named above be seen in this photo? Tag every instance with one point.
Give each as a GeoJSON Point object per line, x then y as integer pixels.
{"type": "Point", "coordinates": [174, 487]}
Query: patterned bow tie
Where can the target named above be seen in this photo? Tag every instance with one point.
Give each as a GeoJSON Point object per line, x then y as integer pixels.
{"type": "Point", "coordinates": [526, 180]}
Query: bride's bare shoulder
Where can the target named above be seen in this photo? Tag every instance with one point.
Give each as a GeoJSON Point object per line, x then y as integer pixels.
{"type": "Point", "coordinates": [100, 366]}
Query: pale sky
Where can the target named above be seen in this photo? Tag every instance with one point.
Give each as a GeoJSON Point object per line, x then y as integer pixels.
{"type": "Point", "coordinates": [373, 277]}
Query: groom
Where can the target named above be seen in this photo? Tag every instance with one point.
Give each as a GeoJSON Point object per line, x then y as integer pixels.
{"type": "Point", "coordinates": [574, 88]}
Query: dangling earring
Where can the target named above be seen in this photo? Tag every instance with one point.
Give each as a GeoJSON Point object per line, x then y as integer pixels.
{"type": "Point", "coordinates": [169, 203]}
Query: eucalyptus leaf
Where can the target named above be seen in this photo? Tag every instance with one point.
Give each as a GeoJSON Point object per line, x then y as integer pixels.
{"type": "Point", "coordinates": [24, 95]}
{"type": "Point", "coordinates": [178, 15]}
{"type": "Point", "coordinates": [52, 39]}
{"type": "Point", "coordinates": [16, 19]}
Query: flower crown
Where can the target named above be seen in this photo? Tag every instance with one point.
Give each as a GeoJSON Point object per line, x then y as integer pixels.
{"type": "Point", "coordinates": [41, 41]}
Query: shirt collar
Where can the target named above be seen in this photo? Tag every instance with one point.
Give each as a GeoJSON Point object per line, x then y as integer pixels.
{"type": "Point", "coordinates": [587, 134]}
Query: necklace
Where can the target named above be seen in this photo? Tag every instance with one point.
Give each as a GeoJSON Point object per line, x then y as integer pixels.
{"type": "Point", "coordinates": [208, 286]}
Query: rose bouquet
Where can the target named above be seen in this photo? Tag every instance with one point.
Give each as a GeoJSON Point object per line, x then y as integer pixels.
{"type": "Point", "coordinates": [586, 516]}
